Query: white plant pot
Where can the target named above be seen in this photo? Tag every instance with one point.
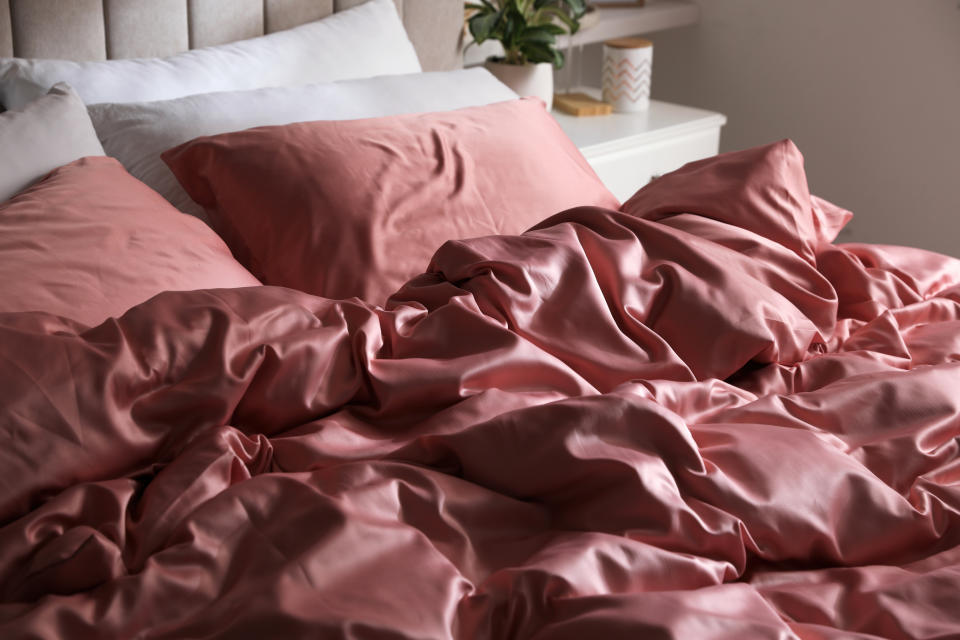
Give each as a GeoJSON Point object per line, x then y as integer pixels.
{"type": "Point", "coordinates": [526, 79]}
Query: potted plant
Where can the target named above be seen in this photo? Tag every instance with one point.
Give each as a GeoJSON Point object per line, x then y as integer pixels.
{"type": "Point", "coordinates": [528, 31]}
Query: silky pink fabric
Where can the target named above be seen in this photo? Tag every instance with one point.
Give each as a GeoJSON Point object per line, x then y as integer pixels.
{"type": "Point", "coordinates": [357, 207]}
{"type": "Point", "coordinates": [90, 241]}
{"type": "Point", "coordinates": [608, 427]}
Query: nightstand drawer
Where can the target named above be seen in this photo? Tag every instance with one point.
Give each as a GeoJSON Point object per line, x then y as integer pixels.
{"type": "Point", "coordinates": [626, 170]}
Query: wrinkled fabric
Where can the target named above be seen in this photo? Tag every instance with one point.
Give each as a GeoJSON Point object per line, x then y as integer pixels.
{"type": "Point", "coordinates": [89, 241]}
{"type": "Point", "coordinates": [344, 208]}
{"type": "Point", "coordinates": [617, 425]}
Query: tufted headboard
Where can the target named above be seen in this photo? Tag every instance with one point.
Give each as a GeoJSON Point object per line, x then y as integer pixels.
{"type": "Point", "coordinates": [103, 29]}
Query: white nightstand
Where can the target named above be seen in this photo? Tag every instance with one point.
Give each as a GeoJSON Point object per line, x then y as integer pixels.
{"type": "Point", "coordinates": [628, 149]}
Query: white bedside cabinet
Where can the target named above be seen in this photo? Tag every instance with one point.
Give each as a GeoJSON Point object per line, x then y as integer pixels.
{"type": "Point", "coordinates": [627, 150]}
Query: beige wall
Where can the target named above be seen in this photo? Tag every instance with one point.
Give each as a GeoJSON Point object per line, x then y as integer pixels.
{"type": "Point", "coordinates": [868, 89]}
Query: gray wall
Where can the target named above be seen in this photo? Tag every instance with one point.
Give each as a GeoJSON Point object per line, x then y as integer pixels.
{"type": "Point", "coordinates": [868, 89]}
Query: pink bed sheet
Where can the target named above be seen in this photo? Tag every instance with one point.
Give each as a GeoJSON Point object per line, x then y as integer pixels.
{"type": "Point", "coordinates": [685, 425]}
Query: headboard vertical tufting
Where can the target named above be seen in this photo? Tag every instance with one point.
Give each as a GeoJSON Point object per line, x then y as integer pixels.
{"type": "Point", "coordinates": [105, 29]}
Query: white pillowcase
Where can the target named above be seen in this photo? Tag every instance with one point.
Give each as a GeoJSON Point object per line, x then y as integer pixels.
{"type": "Point", "coordinates": [367, 40]}
{"type": "Point", "coordinates": [136, 134]}
{"type": "Point", "coordinates": [47, 133]}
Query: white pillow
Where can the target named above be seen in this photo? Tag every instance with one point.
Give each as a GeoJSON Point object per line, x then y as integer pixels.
{"type": "Point", "coordinates": [136, 134]}
{"type": "Point", "coordinates": [47, 133]}
{"type": "Point", "coordinates": [367, 40]}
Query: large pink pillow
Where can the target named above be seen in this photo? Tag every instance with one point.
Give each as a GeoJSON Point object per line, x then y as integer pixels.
{"type": "Point", "coordinates": [356, 208]}
{"type": "Point", "coordinates": [90, 241]}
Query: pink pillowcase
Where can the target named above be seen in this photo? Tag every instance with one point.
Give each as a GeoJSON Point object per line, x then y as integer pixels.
{"type": "Point", "coordinates": [763, 190]}
{"type": "Point", "coordinates": [358, 207]}
{"type": "Point", "coordinates": [90, 241]}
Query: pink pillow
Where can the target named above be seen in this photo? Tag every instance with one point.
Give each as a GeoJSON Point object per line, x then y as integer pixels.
{"type": "Point", "coordinates": [90, 241]}
{"type": "Point", "coordinates": [763, 190]}
{"type": "Point", "coordinates": [358, 207]}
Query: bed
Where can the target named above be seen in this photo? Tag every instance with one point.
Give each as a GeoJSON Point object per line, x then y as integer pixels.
{"type": "Point", "coordinates": [358, 346]}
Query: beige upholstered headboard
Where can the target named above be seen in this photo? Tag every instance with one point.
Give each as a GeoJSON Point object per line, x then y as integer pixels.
{"type": "Point", "coordinates": [102, 29]}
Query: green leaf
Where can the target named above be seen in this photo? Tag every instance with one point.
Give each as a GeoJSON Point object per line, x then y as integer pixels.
{"type": "Point", "coordinates": [538, 34]}
{"type": "Point", "coordinates": [514, 26]}
{"type": "Point", "coordinates": [577, 8]}
{"type": "Point", "coordinates": [545, 14]}
{"type": "Point", "coordinates": [537, 52]}
{"type": "Point", "coordinates": [555, 29]}
{"type": "Point", "coordinates": [482, 26]}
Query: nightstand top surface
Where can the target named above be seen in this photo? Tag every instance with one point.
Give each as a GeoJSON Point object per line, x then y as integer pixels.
{"type": "Point", "coordinates": [662, 120]}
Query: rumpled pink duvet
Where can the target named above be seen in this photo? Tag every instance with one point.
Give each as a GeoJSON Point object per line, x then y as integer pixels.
{"type": "Point", "coordinates": [694, 419]}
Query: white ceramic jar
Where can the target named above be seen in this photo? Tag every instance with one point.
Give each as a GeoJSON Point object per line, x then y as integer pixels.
{"type": "Point", "coordinates": [627, 69]}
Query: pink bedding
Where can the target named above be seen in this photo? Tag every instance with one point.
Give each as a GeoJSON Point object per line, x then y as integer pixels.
{"type": "Point", "coordinates": [347, 208]}
{"type": "Point", "coordinates": [89, 241]}
{"type": "Point", "coordinates": [707, 423]}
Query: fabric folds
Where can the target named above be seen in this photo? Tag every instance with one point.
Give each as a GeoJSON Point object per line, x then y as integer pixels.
{"type": "Point", "coordinates": [615, 425]}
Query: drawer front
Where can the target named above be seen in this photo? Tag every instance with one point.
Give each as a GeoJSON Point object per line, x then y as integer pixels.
{"type": "Point", "coordinates": [626, 170]}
